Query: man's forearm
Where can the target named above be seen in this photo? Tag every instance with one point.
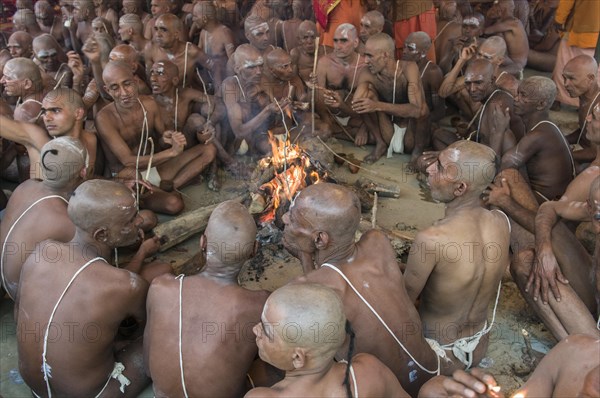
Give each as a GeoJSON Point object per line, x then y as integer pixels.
{"type": "Point", "coordinates": [448, 84]}
{"type": "Point", "coordinates": [545, 220]}
{"type": "Point", "coordinates": [519, 214]}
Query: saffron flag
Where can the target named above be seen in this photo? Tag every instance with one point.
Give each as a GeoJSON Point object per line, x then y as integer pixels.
{"type": "Point", "coordinates": [322, 9]}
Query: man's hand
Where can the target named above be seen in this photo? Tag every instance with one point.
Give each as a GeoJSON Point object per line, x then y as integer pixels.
{"type": "Point", "coordinates": [468, 52]}
{"type": "Point", "coordinates": [474, 384]}
{"type": "Point", "coordinates": [497, 193]}
{"type": "Point", "coordinates": [332, 99]}
{"type": "Point", "coordinates": [207, 134]}
{"type": "Point", "coordinates": [364, 105]}
{"type": "Point", "coordinates": [176, 140]}
{"type": "Point", "coordinates": [500, 119]}
{"type": "Point", "coordinates": [545, 271]}
{"type": "Point", "coordinates": [74, 62]}
{"type": "Point", "coordinates": [91, 49]}
{"type": "Point", "coordinates": [149, 247]}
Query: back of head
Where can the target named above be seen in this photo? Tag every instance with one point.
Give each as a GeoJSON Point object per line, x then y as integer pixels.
{"type": "Point", "coordinates": [123, 52]}
{"type": "Point", "coordinates": [301, 306]}
{"type": "Point", "coordinates": [540, 88]}
{"type": "Point", "coordinates": [383, 42]}
{"type": "Point", "coordinates": [421, 39]}
{"type": "Point", "coordinates": [25, 17]}
{"type": "Point", "coordinates": [230, 234]}
{"type": "Point", "coordinates": [97, 203]}
{"type": "Point", "coordinates": [495, 45]}
{"type": "Point", "coordinates": [376, 18]}
{"type": "Point", "coordinates": [206, 9]}
{"type": "Point", "coordinates": [62, 160]}
{"type": "Point", "coordinates": [331, 208]}
{"type": "Point", "coordinates": [476, 164]}
{"type": "Point", "coordinates": [132, 21]}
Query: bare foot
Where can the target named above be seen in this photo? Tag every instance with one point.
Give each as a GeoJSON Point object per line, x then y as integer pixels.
{"type": "Point", "coordinates": [377, 152]}
{"type": "Point", "coordinates": [361, 137]}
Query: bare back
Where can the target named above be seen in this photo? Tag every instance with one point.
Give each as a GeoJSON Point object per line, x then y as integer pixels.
{"type": "Point", "coordinates": [375, 273]}
{"type": "Point", "coordinates": [80, 341]}
{"type": "Point", "coordinates": [217, 340]}
{"type": "Point", "coordinates": [46, 220]}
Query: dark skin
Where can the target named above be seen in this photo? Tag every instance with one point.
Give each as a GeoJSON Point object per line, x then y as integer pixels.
{"type": "Point", "coordinates": [371, 260]}
{"type": "Point", "coordinates": [81, 365]}
{"type": "Point", "coordinates": [217, 363]}
{"type": "Point", "coordinates": [511, 29]}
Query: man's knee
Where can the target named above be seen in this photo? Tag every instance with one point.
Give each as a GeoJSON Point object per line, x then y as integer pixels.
{"type": "Point", "coordinates": [211, 151]}
{"type": "Point", "coordinates": [173, 204]}
{"type": "Point", "coordinates": [520, 267]}
{"type": "Point", "coordinates": [512, 176]}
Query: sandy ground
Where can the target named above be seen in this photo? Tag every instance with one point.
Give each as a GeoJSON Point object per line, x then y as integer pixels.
{"type": "Point", "coordinates": [274, 267]}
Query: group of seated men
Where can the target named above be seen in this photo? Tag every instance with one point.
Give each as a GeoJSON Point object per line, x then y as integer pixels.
{"type": "Point", "coordinates": [121, 121]}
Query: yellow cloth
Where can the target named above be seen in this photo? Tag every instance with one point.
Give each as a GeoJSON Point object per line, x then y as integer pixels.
{"type": "Point", "coordinates": [583, 26]}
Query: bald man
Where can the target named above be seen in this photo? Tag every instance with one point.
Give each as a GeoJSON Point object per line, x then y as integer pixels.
{"type": "Point", "coordinates": [248, 117]}
{"type": "Point", "coordinates": [216, 345]}
{"type": "Point", "coordinates": [337, 82]}
{"type": "Point", "coordinates": [216, 40]}
{"type": "Point", "coordinates": [580, 78]}
{"type": "Point", "coordinates": [450, 266]}
{"type": "Point", "coordinates": [131, 32]}
{"type": "Point", "coordinates": [370, 24]}
{"type": "Point", "coordinates": [37, 210]}
{"type": "Point", "coordinates": [503, 23]}
{"type": "Point", "coordinates": [391, 100]}
{"type": "Point", "coordinates": [564, 256]}
{"type": "Point", "coordinates": [319, 230]}
{"type": "Point", "coordinates": [303, 56]}
{"type": "Point", "coordinates": [158, 8]}
{"type": "Point", "coordinates": [124, 127]}
{"type": "Point", "coordinates": [22, 79]}
{"type": "Point", "coordinates": [24, 20]}
{"type": "Point", "coordinates": [450, 48]}
{"type": "Point", "coordinates": [52, 61]}
{"type": "Point", "coordinates": [570, 369]}
{"type": "Point", "coordinates": [136, 7]}
{"type": "Point", "coordinates": [286, 30]}
{"type": "Point", "coordinates": [86, 301]}
{"type": "Point", "coordinates": [167, 45]}
{"type": "Point", "coordinates": [48, 21]}
{"type": "Point", "coordinates": [19, 44]}
{"type": "Point", "coordinates": [307, 353]}
{"type": "Point", "coordinates": [80, 28]}
{"type": "Point", "coordinates": [416, 47]}
{"type": "Point", "coordinates": [489, 102]}
{"type": "Point", "coordinates": [102, 9]}
{"type": "Point", "coordinates": [63, 114]}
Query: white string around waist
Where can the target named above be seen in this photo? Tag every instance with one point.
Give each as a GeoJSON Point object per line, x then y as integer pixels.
{"type": "Point", "coordinates": [385, 325]}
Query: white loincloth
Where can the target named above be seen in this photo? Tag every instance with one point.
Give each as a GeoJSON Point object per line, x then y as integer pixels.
{"type": "Point", "coordinates": [151, 175]}
{"type": "Point", "coordinates": [397, 141]}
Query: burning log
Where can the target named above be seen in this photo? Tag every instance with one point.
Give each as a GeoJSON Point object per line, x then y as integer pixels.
{"type": "Point", "coordinates": [181, 228]}
{"type": "Point", "coordinates": [386, 191]}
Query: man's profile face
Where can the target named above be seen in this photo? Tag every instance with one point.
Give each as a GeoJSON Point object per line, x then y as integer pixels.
{"type": "Point", "coordinates": [271, 347]}
{"type": "Point", "coordinates": [125, 230]}
{"type": "Point", "coordinates": [411, 51]}
{"type": "Point", "coordinates": [478, 83]}
{"type": "Point", "coordinates": [442, 175]}
{"type": "Point", "coordinates": [13, 84]}
{"type": "Point", "coordinates": [124, 32]}
{"type": "Point", "coordinates": [259, 37]}
{"type": "Point", "coordinates": [198, 16]}
{"type": "Point", "coordinates": [344, 43]}
{"type": "Point", "coordinates": [58, 116]}
{"type": "Point", "coordinates": [576, 81]}
{"type": "Point", "coordinates": [121, 86]}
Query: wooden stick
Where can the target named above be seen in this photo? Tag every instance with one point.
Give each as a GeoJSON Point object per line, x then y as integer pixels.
{"type": "Point", "coordinates": [313, 89]}
{"type": "Point", "coordinates": [374, 211]}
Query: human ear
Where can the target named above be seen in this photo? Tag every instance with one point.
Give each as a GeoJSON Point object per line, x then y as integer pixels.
{"type": "Point", "coordinates": [321, 240]}
{"type": "Point", "coordinates": [298, 358]}
{"type": "Point", "coordinates": [101, 234]}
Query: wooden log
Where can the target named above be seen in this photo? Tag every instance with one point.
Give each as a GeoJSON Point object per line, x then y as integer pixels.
{"type": "Point", "coordinates": [387, 191]}
{"type": "Point", "coordinates": [181, 228]}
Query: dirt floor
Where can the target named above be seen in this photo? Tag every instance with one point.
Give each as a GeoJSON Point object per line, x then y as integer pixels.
{"type": "Point", "coordinates": [274, 266]}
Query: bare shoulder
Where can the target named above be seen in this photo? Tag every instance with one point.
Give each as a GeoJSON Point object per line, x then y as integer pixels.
{"type": "Point", "coordinates": [106, 114]}
{"type": "Point", "coordinates": [409, 69]}
{"type": "Point", "coordinates": [149, 103]}
{"type": "Point", "coordinates": [373, 378]}
{"type": "Point", "coordinates": [261, 392]}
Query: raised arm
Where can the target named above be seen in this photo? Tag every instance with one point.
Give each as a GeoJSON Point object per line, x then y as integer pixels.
{"type": "Point", "coordinates": [452, 83]}
{"type": "Point", "coordinates": [26, 134]}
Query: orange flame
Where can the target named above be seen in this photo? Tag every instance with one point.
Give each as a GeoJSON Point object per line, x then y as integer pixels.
{"type": "Point", "coordinates": [284, 185]}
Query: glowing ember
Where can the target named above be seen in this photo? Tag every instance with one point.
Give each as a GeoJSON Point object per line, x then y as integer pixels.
{"type": "Point", "coordinates": [284, 185]}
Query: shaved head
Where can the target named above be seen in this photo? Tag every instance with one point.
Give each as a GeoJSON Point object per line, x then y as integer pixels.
{"type": "Point", "coordinates": [540, 88]}
{"type": "Point", "coordinates": [244, 55]}
{"type": "Point", "coordinates": [171, 69]}
{"type": "Point", "coordinates": [349, 28]}
{"type": "Point", "coordinates": [307, 27]}
{"type": "Point", "coordinates": [116, 66]}
{"type": "Point", "coordinates": [421, 39]}
{"type": "Point", "coordinates": [480, 67]}
{"type": "Point", "coordinates": [125, 53]}
{"type": "Point", "coordinates": [330, 208]}
{"type": "Point", "coordinates": [376, 18]}
{"type": "Point", "coordinates": [62, 160]}
{"type": "Point", "coordinates": [68, 97]}
{"type": "Point", "coordinates": [230, 234]}
{"type": "Point", "coordinates": [305, 305]}
{"type": "Point", "coordinates": [24, 68]}
{"type": "Point", "coordinates": [171, 20]}
{"type": "Point", "coordinates": [205, 9]}
{"type": "Point", "coordinates": [583, 64]}
{"type": "Point", "coordinates": [383, 42]}
{"type": "Point", "coordinates": [493, 47]}
{"type": "Point", "coordinates": [477, 164]}
{"type": "Point", "coordinates": [20, 44]}
{"type": "Point", "coordinates": [24, 19]}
